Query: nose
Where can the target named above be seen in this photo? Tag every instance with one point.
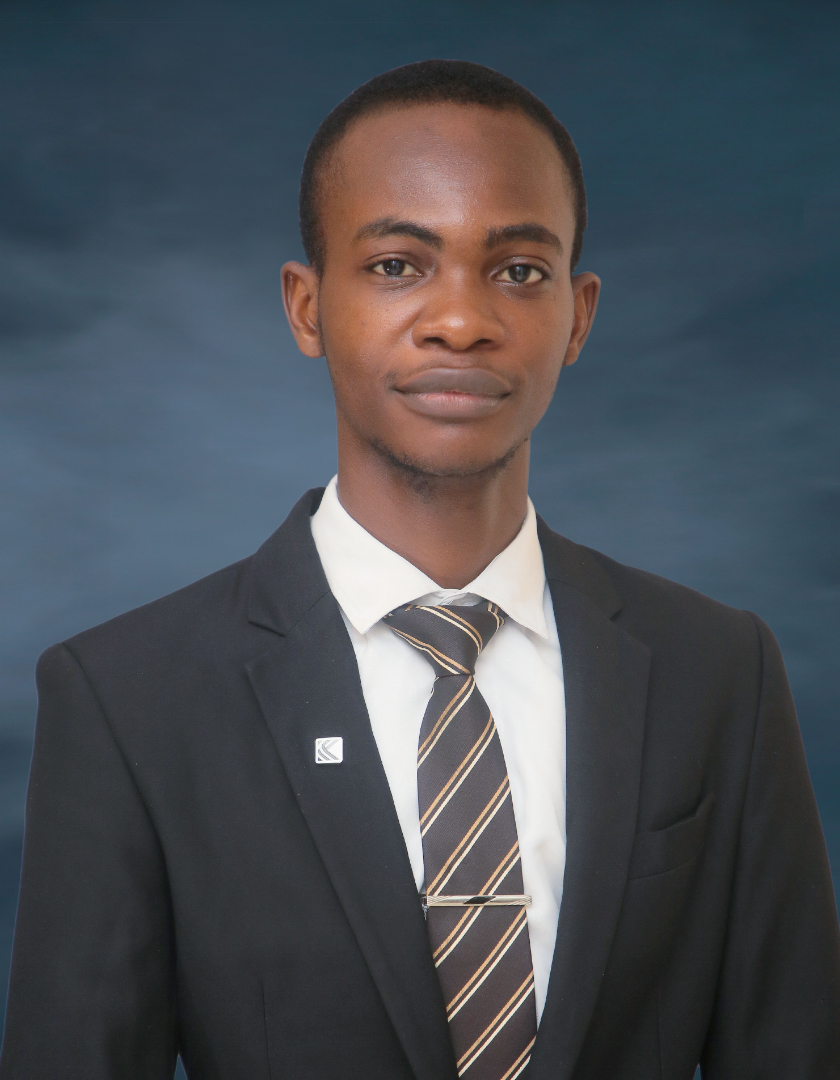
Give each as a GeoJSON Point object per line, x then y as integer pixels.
{"type": "Point", "coordinates": [457, 315]}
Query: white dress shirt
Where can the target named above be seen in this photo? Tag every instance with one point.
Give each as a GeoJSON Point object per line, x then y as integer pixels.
{"type": "Point", "coordinates": [520, 675]}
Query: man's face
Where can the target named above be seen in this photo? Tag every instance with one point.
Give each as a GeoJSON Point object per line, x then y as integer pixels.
{"type": "Point", "coordinates": [445, 307]}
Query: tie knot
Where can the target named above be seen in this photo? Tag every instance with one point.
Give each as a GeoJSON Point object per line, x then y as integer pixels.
{"type": "Point", "coordinates": [450, 638]}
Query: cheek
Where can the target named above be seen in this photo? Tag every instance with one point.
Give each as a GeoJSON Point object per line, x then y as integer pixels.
{"type": "Point", "coordinates": [356, 375]}
{"type": "Point", "coordinates": [541, 389]}
{"type": "Point", "coordinates": [359, 333]}
{"type": "Point", "coordinates": [351, 376]}
{"type": "Point", "coordinates": [544, 343]}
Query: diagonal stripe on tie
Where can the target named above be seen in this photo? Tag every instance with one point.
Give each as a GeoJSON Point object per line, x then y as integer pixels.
{"type": "Point", "coordinates": [482, 954]}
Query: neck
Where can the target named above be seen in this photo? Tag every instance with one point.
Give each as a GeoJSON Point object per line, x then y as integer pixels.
{"type": "Point", "coordinates": [449, 527]}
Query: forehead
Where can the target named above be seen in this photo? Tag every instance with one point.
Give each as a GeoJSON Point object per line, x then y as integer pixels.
{"type": "Point", "coordinates": [447, 163]}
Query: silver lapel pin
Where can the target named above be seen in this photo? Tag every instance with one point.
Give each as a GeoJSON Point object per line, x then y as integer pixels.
{"type": "Point", "coordinates": [329, 751]}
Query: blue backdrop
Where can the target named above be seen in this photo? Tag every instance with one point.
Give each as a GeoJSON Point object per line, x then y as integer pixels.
{"type": "Point", "coordinates": [158, 423]}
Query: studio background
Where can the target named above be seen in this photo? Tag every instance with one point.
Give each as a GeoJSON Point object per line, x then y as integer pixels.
{"type": "Point", "coordinates": [158, 422]}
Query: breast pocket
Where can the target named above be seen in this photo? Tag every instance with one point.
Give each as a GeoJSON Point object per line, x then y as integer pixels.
{"type": "Point", "coordinates": [662, 850]}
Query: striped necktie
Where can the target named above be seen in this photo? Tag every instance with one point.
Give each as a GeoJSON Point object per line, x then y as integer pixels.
{"type": "Point", "coordinates": [474, 898]}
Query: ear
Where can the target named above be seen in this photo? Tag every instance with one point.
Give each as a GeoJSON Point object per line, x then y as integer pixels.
{"type": "Point", "coordinates": [300, 299]}
{"type": "Point", "coordinates": [586, 288]}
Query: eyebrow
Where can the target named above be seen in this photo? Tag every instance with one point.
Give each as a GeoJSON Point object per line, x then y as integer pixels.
{"type": "Point", "coordinates": [528, 230]}
{"type": "Point", "coordinates": [388, 226]}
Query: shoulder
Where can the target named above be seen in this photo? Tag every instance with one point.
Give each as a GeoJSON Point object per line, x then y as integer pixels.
{"type": "Point", "coordinates": [206, 609]}
{"type": "Point", "coordinates": [200, 637]}
{"type": "Point", "coordinates": [660, 612]}
{"type": "Point", "coordinates": [224, 614]}
{"type": "Point", "coordinates": [647, 594]}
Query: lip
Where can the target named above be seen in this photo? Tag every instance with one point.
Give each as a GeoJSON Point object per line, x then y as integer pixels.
{"type": "Point", "coordinates": [454, 393]}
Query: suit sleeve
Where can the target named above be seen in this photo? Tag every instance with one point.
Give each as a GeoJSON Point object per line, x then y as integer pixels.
{"type": "Point", "coordinates": [92, 982]}
{"type": "Point", "coordinates": [777, 1014]}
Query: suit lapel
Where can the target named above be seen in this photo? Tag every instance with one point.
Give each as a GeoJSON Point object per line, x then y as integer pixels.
{"type": "Point", "coordinates": [606, 674]}
{"type": "Point", "coordinates": [308, 687]}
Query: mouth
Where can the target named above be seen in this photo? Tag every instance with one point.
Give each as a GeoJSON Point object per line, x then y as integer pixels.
{"type": "Point", "coordinates": [454, 393]}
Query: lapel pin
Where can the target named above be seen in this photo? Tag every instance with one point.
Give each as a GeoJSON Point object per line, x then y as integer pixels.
{"type": "Point", "coordinates": [329, 751]}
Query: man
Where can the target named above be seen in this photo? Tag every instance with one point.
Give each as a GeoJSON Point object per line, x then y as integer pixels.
{"type": "Point", "coordinates": [422, 789]}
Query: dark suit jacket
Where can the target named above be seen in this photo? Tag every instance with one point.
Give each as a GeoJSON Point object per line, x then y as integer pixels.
{"type": "Point", "coordinates": [193, 882]}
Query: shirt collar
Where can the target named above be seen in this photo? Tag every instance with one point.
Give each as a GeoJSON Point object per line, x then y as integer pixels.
{"type": "Point", "coordinates": [368, 579]}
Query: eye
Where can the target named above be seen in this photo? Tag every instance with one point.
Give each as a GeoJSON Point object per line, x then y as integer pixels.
{"type": "Point", "coordinates": [394, 268]}
{"type": "Point", "coordinates": [521, 274]}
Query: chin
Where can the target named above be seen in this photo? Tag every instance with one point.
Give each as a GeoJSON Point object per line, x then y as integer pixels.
{"type": "Point", "coordinates": [427, 468]}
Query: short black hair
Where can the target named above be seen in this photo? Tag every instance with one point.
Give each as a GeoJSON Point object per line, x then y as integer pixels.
{"type": "Point", "coordinates": [427, 82]}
